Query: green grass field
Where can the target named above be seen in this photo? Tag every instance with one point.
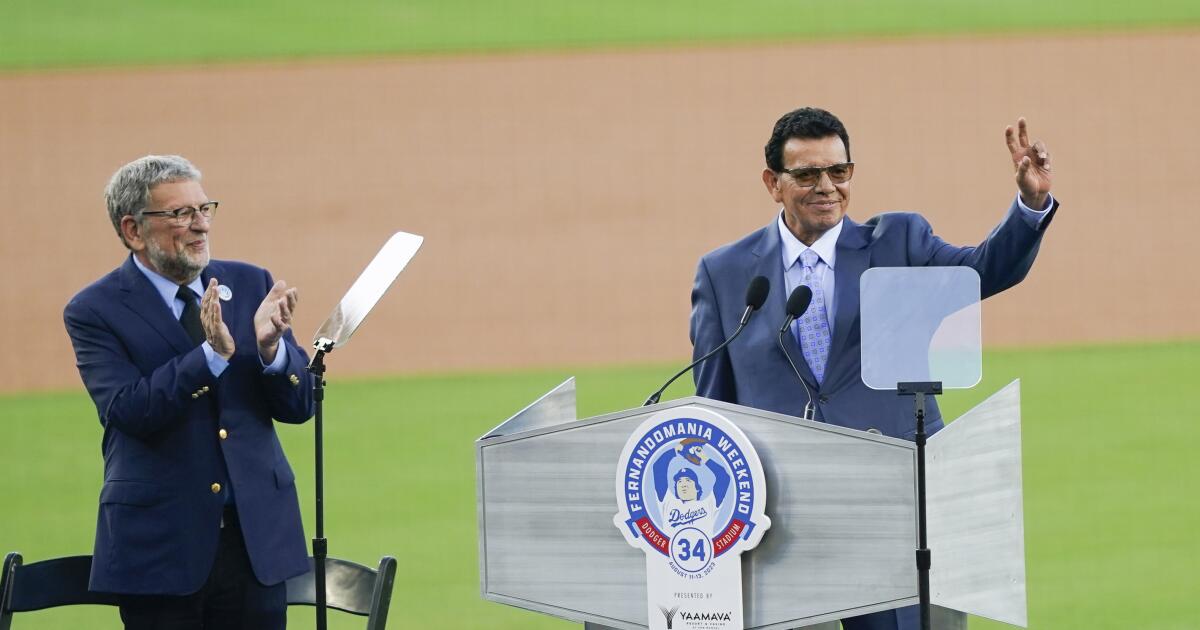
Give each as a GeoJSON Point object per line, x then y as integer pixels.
{"type": "Point", "coordinates": [1110, 478]}
{"type": "Point", "coordinates": [67, 33]}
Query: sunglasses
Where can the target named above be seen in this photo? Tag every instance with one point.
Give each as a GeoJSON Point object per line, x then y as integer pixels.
{"type": "Point", "coordinates": [811, 175]}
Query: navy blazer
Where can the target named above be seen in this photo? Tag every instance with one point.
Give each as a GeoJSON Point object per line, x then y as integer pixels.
{"type": "Point", "coordinates": [163, 413]}
{"type": "Point", "coordinates": [753, 371]}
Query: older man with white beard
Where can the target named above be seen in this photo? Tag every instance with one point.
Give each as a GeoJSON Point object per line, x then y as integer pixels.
{"type": "Point", "coordinates": [189, 360]}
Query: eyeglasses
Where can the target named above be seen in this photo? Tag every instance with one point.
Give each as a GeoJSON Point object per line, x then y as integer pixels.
{"type": "Point", "coordinates": [811, 175]}
{"type": "Point", "coordinates": [185, 215]}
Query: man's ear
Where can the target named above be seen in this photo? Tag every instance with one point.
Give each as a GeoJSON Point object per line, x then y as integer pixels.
{"type": "Point", "coordinates": [771, 181]}
{"type": "Point", "coordinates": [131, 231]}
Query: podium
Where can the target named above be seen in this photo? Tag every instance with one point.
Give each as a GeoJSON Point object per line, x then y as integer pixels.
{"type": "Point", "coordinates": [842, 505]}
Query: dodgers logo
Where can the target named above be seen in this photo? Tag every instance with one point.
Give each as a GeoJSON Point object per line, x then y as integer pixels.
{"type": "Point", "coordinates": [690, 488]}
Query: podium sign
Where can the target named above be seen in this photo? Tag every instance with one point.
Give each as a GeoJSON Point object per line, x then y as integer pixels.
{"type": "Point", "coordinates": [691, 494]}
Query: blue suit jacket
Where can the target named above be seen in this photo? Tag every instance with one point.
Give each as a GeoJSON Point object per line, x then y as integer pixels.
{"type": "Point", "coordinates": [753, 371]}
{"type": "Point", "coordinates": [162, 409]}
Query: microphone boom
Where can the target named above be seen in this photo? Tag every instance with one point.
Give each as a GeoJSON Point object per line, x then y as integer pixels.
{"type": "Point", "coordinates": [756, 296]}
{"type": "Point", "coordinates": [797, 303]}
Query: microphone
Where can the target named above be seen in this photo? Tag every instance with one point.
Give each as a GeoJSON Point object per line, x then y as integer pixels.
{"type": "Point", "coordinates": [797, 303]}
{"type": "Point", "coordinates": [756, 296]}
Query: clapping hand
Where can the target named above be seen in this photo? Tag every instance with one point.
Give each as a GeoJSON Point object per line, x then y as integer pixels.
{"type": "Point", "coordinates": [273, 318]}
{"type": "Point", "coordinates": [215, 330]}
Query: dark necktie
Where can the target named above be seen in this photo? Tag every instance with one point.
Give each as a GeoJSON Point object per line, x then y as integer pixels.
{"type": "Point", "coordinates": [191, 315]}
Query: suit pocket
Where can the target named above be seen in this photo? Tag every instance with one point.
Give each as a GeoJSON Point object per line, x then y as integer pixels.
{"type": "Point", "coordinates": [137, 520]}
{"type": "Point", "coordinates": [131, 493]}
{"type": "Point", "coordinates": [284, 477]}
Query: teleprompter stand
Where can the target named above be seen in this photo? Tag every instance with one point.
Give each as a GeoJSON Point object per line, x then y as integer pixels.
{"type": "Point", "coordinates": [335, 332]}
{"type": "Point", "coordinates": [918, 390]}
{"type": "Point", "coordinates": [320, 545]}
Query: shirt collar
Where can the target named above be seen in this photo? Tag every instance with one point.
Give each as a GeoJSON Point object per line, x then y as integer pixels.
{"type": "Point", "coordinates": [825, 246]}
{"type": "Point", "coordinates": [166, 287]}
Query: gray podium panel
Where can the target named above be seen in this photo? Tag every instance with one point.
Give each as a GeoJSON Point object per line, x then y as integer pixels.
{"type": "Point", "coordinates": [842, 505]}
{"type": "Point", "coordinates": [547, 538]}
{"type": "Point", "coordinates": [843, 512]}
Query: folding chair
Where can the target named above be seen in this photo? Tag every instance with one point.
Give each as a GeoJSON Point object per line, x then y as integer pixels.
{"type": "Point", "coordinates": [349, 587]}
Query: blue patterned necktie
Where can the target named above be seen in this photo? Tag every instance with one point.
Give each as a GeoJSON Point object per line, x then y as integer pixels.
{"type": "Point", "coordinates": [812, 329]}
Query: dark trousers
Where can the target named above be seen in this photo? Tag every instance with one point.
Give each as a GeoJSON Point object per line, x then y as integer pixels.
{"type": "Point", "coordinates": [231, 598]}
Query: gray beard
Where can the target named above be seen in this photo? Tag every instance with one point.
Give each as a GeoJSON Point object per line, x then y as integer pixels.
{"type": "Point", "coordinates": [175, 266]}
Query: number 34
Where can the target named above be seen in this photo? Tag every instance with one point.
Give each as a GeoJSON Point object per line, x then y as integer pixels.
{"type": "Point", "coordinates": [689, 550]}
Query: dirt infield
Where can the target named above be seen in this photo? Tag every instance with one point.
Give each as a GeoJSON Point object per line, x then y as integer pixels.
{"type": "Point", "coordinates": [566, 199]}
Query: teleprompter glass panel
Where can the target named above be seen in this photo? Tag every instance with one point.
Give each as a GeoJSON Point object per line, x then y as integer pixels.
{"type": "Point", "coordinates": [920, 324]}
{"type": "Point", "coordinates": [370, 286]}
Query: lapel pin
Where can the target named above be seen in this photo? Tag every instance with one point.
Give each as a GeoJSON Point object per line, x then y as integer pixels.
{"type": "Point", "coordinates": [224, 292]}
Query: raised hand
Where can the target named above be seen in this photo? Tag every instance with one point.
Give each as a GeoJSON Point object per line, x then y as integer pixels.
{"type": "Point", "coordinates": [215, 329]}
{"type": "Point", "coordinates": [273, 318]}
{"type": "Point", "coordinates": [1032, 164]}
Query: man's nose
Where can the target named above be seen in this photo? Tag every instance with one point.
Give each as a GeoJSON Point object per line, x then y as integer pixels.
{"type": "Point", "coordinates": [200, 223]}
{"type": "Point", "coordinates": [824, 183]}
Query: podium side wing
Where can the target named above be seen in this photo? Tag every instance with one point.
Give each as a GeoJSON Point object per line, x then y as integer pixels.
{"type": "Point", "coordinates": [976, 518]}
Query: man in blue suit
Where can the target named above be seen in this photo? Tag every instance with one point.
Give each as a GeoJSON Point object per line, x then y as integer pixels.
{"type": "Point", "coordinates": [188, 360]}
{"type": "Point", "coordinates": [812, 242]}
